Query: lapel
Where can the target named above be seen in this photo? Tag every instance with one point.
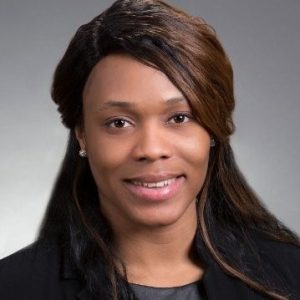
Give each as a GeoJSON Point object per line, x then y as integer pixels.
{"type": "Point", "coordinates": [74, 285]}
{"type": "Point", "coordinates": [84, 295]}
{"type": "Point", "coordinates": [217, 283]}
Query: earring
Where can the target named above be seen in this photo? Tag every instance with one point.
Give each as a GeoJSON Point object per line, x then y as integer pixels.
{"type": "Point", "coordinates": [82, 153]}
{"type": "Point", "coordinates": [212, 142]}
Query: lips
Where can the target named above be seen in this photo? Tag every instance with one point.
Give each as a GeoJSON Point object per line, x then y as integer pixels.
{"type": "Point", "coordinates": [158, 187]}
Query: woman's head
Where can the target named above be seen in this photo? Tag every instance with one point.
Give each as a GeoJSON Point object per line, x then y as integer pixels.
{"type": "Point", "coordinates": [183, 48]}
{"type": "Point", "coordinates": [187, 56]}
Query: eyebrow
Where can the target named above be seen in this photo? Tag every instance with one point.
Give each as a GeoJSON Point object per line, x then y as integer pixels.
{"type": "Point", "coordinates": [124, 104]}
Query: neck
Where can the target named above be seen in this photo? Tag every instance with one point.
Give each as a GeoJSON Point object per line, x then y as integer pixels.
{"type": "Point", "coordinates": [159, 255]}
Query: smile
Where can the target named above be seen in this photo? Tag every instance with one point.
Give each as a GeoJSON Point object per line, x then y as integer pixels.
{"type": "Point", "coordinates": [158, 184]}
{"type": "Point", "coordinates": [155, 189]}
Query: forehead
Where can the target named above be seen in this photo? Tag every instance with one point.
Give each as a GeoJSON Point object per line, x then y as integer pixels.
{"type": "Point", "coordinates": [119, 76]}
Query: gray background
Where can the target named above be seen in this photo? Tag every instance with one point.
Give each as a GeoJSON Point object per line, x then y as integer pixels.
{"type": "Point", "coordinates": [262, 38]}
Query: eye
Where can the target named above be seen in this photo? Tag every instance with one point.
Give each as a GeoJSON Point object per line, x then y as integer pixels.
{"type": "Point", "coordinates": [181, 118]}
{"type": "Point", "coordinates": [117, 123]}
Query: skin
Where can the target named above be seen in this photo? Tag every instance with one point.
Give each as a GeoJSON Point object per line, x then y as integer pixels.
{"type": "Point", "coordinates": [154, 133]}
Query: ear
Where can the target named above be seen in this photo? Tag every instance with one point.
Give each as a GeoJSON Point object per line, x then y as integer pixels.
{"type": "Point", "coordinates": [80, 136]}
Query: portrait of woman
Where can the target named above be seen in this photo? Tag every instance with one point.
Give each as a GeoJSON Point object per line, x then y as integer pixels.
{"type": "Point", "coordinates": [149, 202]}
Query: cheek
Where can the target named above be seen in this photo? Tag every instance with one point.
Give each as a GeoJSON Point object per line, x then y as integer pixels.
{"type": "Point", "coordinates": [196, 150]}
{"type": "Point", "coordinates": [196, 155]}
{"type": "Point", "coordinates": [197, 175]}
{"type": "Point", "coordinates": [105, 158]}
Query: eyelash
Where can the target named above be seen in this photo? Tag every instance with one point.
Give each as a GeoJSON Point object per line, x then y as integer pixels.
{"type": "Point", "coordinates": [184, 114]}
{"type": "Point", "coordinates": [111, 122]}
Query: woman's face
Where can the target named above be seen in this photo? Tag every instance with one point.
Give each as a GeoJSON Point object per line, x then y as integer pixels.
{"type": "Point", "coordinates": [147, 154]}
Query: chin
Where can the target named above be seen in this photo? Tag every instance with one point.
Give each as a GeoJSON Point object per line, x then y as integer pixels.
{"type": "Point", "coordinates": [161, 218]}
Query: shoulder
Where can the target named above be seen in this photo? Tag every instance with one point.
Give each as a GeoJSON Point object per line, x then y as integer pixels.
{"type": "Point", "coordinates": [34, 256]}
{"type": "Point", "coordinates": [281, 261]}
{"type": "Point", "coordinates": [283, 252]}
{"type": "Point", "coordinates": [30, 271]}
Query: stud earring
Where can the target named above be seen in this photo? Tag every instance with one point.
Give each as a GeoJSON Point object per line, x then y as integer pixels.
{"type": "Point", "coordinates": [212, 142]}
{"type": "Point", "coordinates": [82, 153]}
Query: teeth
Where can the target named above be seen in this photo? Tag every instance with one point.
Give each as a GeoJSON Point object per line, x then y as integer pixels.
{"type": "Point", "coordinates": [158, 184]}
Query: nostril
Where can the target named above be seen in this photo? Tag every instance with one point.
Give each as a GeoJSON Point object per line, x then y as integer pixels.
{"type": "Point", "coordinates": [152, 157]}
{"type": "Point", "coordinates": [147, 150]}
{"type": "Point", "coordinates": [142, 159]}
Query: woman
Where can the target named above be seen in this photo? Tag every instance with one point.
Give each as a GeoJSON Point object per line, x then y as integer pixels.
{"type": "Point", "coordinates": [149, 202]}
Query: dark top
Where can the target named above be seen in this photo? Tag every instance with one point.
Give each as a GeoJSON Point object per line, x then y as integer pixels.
{"type": "Point", "coordinates": [192, 291]}
{"type": "Point", "coordinates": [44, 271]}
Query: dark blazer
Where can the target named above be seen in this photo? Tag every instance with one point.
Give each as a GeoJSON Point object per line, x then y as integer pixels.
{"type": "Point", "coordinates": [43, 271]}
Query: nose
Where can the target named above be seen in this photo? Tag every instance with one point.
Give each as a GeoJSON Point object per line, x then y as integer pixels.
{"type": "Point", "coordinates": [152, 143]}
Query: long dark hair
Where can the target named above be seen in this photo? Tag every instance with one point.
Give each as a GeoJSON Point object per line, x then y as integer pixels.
{"type": "Point", "coordinates": [187, 50]}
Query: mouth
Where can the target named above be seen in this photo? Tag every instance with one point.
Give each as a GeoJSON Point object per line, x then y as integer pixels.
{"type": "Point", "coordinates": [158, 184]}
{"type": "Point", "coordinates": [155, 188]}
